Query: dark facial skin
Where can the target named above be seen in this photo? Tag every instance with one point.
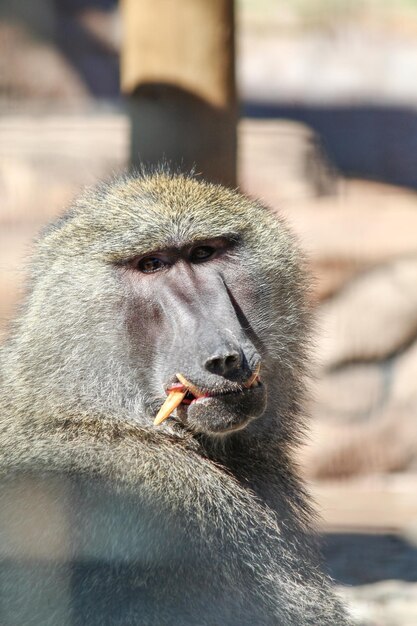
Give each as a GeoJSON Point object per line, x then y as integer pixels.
{"type": "Point", "coordinates": [187, 300]}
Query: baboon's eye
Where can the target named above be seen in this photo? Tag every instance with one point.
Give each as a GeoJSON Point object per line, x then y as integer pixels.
{"type": "Point", "coordinates": [150, 264]}
{"type": "Point", "coordinates": [202, 253]}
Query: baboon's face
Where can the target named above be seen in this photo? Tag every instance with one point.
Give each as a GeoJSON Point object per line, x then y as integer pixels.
{"type": "Point", "coordinates": [187, 318]}
{"type": "Point", "coordinates": [167, 287]}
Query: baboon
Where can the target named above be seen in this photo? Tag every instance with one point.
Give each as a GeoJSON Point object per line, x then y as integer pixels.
{"type": "Point", "coordinates": [154, 286]}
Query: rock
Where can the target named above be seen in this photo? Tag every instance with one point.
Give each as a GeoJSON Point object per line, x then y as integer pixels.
{"type": "Point", "coordinates": [386, 443]}
{"type": "Point", "coordinates": [36, 70]}
{"type": "Point", "coordinates": [44, 161]}
{"type": "Point", "coordinates": [303, 173]}
{"type": "Point", "coordinates": [404, 385]}
{"type": "Point", "coordinates": [372, 317]}
{"type": "Point", "coordinates": [388, 603]}
{"type": "Point", "coordinates": [365, 418]}
{"type": "Point", "coordinates": [350, 394]}
{"type": "Point", "coordinates": [360, 227]}
{"type": "Point", "coordinates": [14, 247]}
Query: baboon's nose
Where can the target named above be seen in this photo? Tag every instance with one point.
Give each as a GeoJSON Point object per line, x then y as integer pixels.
{"type": "Point", "coordinates": [225, 363]}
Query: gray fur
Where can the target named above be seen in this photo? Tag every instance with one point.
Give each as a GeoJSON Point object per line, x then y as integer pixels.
{"type": "Point", "coordinates": [107, 520]}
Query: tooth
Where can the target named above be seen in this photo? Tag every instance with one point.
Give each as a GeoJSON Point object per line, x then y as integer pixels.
{"type": "Point", "coordinates": [174, 399]}
{"type": "Point", "coordinates": [190, 387]}
{"type": "Point", "coordinates": [253, 378]}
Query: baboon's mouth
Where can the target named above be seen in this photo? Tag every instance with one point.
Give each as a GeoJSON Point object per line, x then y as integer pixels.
{"type": "Point", "coordinates": [185, 393]}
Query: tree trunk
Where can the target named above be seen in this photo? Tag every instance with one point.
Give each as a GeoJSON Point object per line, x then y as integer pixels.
{"type": "Point", "coordinates": [177, 68]}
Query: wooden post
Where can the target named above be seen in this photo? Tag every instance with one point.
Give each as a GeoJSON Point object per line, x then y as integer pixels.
{"type": "Point", "coordinates": [177, 68]}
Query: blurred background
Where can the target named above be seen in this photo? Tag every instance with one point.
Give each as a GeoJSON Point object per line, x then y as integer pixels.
{"type": "Point", "coordinates": [321, 123]}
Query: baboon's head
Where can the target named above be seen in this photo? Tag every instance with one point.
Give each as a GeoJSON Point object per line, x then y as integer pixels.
{"type": "Point", "coordinates": [165, 286]}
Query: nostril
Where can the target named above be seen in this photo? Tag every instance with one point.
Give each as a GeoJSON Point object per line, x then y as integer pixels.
{"type": "Point", "coordinates": [232, 360]}
{"type": "Point", "coordinates": [216, 363]}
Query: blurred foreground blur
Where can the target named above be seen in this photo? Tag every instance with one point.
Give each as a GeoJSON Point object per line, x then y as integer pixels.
{"type": "Point", "coordinates": [344, 72]}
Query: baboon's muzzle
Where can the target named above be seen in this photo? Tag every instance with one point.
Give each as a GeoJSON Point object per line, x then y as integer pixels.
{"type": "Point", "coordinates": [213, 377]}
